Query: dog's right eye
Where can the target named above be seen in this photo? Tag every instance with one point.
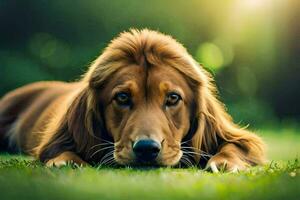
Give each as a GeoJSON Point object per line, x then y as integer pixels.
{"type": "Point", "coordinates": [172, 99]}
{"type": "Point", "coordinates": [123, 99]}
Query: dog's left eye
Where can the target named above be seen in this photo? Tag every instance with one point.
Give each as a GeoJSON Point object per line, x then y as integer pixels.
{"type": "Point", "coordinates": [123, 99]}
{"type": "Point", "coordinates": [172, 99]}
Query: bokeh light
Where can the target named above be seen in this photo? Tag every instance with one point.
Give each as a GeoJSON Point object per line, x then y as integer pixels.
{"type": "Point", "coordinates": [50, 50]}
{"type": "Point", "coordinates": [250, 46]}
{"type": "Point", "coordinates": [210, 55]}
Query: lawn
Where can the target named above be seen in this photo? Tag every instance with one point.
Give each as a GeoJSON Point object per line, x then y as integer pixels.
{"type": "Point", "coordinates": [23, 178]}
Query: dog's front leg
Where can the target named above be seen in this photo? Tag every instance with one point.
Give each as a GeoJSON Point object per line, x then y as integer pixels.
{"type": "Point", "coordinates": [230, 158]}
{"type": "Point", "coordinates": [65, 158]}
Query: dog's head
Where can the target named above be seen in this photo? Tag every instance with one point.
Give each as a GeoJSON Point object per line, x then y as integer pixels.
{"type": "Point", "coordinates": [148, 97]}
{"type": "Point", "coordinates": [147, 111]}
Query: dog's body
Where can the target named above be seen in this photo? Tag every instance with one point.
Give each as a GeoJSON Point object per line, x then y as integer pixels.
{"type": "Point", "coordinates": [26, 111]}
{"type": "Point", "coordinates": [143, 92]}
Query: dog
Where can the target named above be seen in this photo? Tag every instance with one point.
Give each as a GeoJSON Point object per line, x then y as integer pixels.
{"type": "Point", "coordinates": [143, 102]}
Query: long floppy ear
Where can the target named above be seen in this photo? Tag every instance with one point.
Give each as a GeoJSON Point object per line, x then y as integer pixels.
{"type": "Point", "coordinates": [78, 129]}
{"type": "Point", "coordinates": [81, 117]}
{"type": "Point", "coordinates": [216, 128]}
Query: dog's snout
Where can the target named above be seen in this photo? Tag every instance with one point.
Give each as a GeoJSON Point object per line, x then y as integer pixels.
{"type": "Point", "coordinates": [146, 150]}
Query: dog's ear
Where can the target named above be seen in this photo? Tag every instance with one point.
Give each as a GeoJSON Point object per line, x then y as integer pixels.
{"type": "Point", "coordinates": [78, 130]}
{"type": "Point", "coordinates": [80, 117]}
{"type": "Point", "coordinates": [211, 120]}
{"type": "Point", "coordinates": [215, 127]}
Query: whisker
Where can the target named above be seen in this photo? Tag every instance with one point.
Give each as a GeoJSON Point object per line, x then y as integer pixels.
{"type": "Point", "coordinates": [196, 149]}
{"type": "Point", "coordinates": [194, 153]}
{"type": "Point", "coordinates": [101, 150]}
{"type": "Point", "coordinates": [183, 147]}
{"type": "Point", "coordinates": [111, 164]}
{"type": "Point", "coordinates": [184, 157]}
{"type": "Point", "coordinates": [101, 144]}
{"type": "Point", "coordinates": [182, 161]}
{"type": "Point", "coordinates": [184, 142]}
{"type": "Point", "coordinates": [202, 153]}
{"type": "Point", "coordinates": [106, 155]}
{"type": "Point", "coordinates": [192, 162]}
{"type": "Point", "coordinates": [109, 142]}
{"type": "Point", "coordinates": [107, 159]}
{"type": "Point", "coordinates": [186, 161]}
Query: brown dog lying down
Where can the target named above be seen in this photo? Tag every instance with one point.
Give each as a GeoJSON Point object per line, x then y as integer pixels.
{"type": "Point", "coordinates": [144, 101]}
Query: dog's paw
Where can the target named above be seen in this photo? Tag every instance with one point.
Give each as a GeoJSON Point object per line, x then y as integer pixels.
{"type": "Point", "coordinates": [65, 159]}
{"type": "Point", "coordinates": [54, 163]}
{"type": "Point", "coordinates": [220, 164]}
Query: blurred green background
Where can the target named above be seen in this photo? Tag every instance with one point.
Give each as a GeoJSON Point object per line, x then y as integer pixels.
{"type": "Point", "coordinates": [250, 46]}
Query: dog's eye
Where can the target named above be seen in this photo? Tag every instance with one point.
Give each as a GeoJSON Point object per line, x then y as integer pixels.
{"type": "Point", "coordinates": [123, 99]}
{"type": "Point", "coordinates": [172, 99]}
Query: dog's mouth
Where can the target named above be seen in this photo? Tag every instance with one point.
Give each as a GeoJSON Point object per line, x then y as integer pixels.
{"type": "Point", "coordinates": [141, 165]}
{"type": "Point", "coordinates": [146, 162]}
{"type": "Point", "coordinates": [136, 162]}
{"type": "Point", "coordinates": [142, 154]}
{"type": "Point", "coordinates": [117, 160]}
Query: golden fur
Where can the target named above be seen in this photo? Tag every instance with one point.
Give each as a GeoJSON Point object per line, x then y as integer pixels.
{"type": "Point", "coordinates": [59, 122]}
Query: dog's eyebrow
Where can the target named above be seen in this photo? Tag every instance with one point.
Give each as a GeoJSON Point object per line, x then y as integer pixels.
{"type": "Point", "coordinates": [128, 85]}
{"type": "Point", "coordinates": [168, 86]}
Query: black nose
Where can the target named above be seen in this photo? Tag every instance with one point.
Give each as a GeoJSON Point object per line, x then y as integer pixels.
{"type": "Point", "coordinates": [146, 150]}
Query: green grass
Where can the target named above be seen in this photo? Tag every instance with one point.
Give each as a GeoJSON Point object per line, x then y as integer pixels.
{"type": "Point", "coordinates": [23, 178]}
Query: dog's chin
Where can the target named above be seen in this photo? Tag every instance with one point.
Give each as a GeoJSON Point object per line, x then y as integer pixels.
{"type": "Point", "coordinates": [144, 165]}
{"type": "Point", "coordinates": [160, 162]}
{"type": "Point", "coordinates": [171, 161]}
